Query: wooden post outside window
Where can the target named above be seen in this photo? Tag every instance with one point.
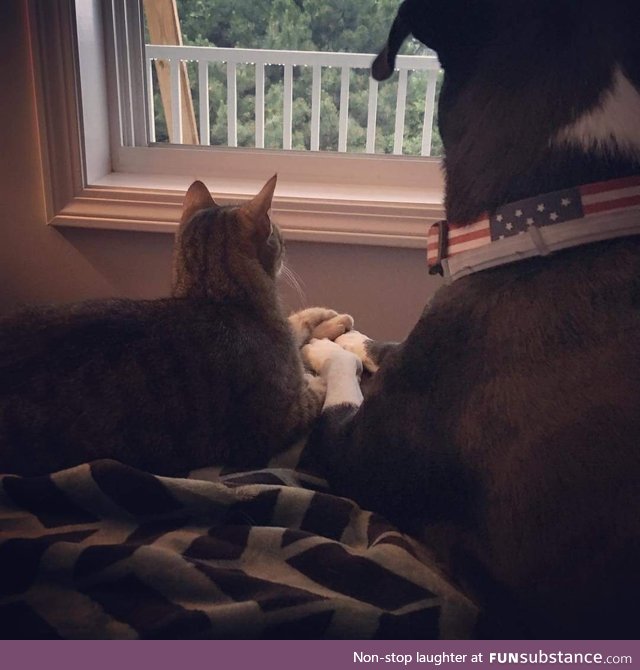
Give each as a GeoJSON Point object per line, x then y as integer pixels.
{"type": "Point", "coordinates": [164, 28]}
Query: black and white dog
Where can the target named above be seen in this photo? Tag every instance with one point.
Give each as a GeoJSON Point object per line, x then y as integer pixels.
{"type": "Point", "coordinates": [508, 422]}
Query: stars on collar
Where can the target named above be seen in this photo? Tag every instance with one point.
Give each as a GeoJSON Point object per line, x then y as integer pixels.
{"type": "Point", "coordinates": [546, 210]}
{"type": "Point", "coordinates": [446, 240]}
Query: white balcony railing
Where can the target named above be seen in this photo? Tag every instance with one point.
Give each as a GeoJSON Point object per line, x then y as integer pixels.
{"type": "Point", "coordinates": [315, 60]}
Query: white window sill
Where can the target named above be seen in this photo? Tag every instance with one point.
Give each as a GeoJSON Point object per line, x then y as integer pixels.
{"type": "Point", "coordinates": [352, 199]}
{"type": "Point", "coordinates": [350, 214]}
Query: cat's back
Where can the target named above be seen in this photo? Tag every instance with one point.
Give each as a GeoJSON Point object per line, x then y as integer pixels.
{"type": "Point", "coordinates": [52, 336]}
{"type": "Point", "coordinates": [154, 383]}
{"type": "Point", "coordinates": [34, 332]}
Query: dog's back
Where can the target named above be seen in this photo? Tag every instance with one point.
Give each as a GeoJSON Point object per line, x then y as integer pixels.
{"type": "Point", "coordinates": [509, 421]}
{"type": "Point", "coordinates": [539, 406]}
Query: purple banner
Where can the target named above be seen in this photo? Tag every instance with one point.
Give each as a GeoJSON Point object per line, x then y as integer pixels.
{"type": "Point", "coordinates": [316, 655]}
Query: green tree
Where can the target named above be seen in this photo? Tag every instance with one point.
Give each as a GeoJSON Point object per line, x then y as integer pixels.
{"type": "Point", "coordinates": [356, 26]}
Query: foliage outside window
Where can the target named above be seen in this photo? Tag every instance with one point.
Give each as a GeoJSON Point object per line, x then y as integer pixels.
{"type": "Point", "coordinates": [356, 26]}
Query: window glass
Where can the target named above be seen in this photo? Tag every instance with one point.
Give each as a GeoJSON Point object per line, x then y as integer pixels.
{"type": "Point", "coordinates": [269, 98]}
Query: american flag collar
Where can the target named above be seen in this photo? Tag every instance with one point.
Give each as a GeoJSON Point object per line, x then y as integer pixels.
{"type": "Point", "coordinates": [536, 226]}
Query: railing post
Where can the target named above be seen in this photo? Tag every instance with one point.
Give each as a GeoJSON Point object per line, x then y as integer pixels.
{"type": "Point", "coordinates": [259, 111]}
{"type": "Point", "coordinates": [232, 106]}
{"type": "Point", "coordinates": [372, 116]}
{"type": "Point", "coordinates": [398, 138]}
{"type": "Point", "coordinates": [316, 91]}
{"type": "Point", "coordinates": [203, 89]}
{"type": "Point", "coordinates": [287, 104]}
{"type": "Point", "coordinates": [429, 109]}
{"type": "Point", "coordinates": [176, 102]}
{"type": "Point", "coordinates": [150, 103]}
{"type": "Point", "coordinates": [344, 108]}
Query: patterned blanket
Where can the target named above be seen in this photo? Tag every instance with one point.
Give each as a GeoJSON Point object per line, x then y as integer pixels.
{"type": "Point", "coordinates": [106, 551]}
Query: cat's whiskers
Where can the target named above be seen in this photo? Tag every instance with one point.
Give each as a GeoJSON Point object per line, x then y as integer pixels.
{"type": "Point", "coordinates": [294, 280]}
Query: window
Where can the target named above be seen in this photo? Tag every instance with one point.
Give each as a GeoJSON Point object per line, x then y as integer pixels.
{"type": "Point", "coordinates": [285, 75]}
{"type": "Point", "coordinates": [122, 172]}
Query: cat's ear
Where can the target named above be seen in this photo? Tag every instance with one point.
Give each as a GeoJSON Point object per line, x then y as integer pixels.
{"type": "Point", "coordinates": [258, 208]}
{"type": "Point", "coordinates": [197, 198]}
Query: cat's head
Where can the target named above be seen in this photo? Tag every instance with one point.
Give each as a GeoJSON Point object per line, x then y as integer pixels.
{"type": "Point", "coordinates": [219, 247]}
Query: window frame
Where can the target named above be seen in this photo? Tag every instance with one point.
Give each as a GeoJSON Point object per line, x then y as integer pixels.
{"type": "Point", "coordinates": [321, 196]}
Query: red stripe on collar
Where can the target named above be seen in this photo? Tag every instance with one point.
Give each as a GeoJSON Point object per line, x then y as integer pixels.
{"type": "Point", "coordinates": [445, 240]}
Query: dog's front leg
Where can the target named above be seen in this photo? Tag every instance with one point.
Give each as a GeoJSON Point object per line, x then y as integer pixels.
{"type": "Point", "coordinates": [339, 369]}
{"type": "Point", "coordinates": [330, 439]}
{"type": "Point", "coordinates": [352, 460]}
{"type": "Point", "coordinates": [374, 450]}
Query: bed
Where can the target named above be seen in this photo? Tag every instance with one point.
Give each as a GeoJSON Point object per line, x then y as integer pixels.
{"type": "Point", "coordinates": [103, 550]}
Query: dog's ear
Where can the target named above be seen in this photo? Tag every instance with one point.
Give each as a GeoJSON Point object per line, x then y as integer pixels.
{"type": "Point", "coordinates": [449, 27]}
{"type": "Point", "coordinates": [382, 67]}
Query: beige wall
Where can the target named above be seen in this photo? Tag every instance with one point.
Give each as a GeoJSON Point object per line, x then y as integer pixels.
{"type": "Point", "coordinates": [385, 289]}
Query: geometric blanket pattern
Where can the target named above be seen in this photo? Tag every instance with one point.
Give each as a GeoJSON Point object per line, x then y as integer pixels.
{"type": "Point", "coordinates": [103, 550]}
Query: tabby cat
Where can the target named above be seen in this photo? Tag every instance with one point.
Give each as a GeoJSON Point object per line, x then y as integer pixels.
{"type": "Point", "coordinates": [211, 375]}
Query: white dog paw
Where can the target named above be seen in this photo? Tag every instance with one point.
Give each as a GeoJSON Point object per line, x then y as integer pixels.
{"type": "Point", "coordinates": [319, 354]}
{"type": "Point", "coordinates": [357, 343]}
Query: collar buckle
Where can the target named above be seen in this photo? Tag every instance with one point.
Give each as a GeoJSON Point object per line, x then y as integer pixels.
{"type": "Point", "coordinates": [441, 229]}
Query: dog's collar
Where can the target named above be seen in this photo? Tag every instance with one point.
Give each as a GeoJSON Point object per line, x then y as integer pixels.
{"type": "Point", "coordinates": [536, 227]}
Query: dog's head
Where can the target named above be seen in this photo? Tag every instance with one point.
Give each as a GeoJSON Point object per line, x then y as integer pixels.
{"type": "Point", "coordinates": [537, 94]}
